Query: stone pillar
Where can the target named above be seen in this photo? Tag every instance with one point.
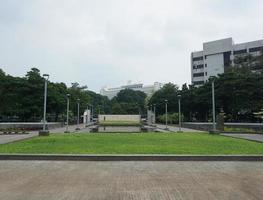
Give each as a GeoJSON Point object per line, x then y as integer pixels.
{"type": "Point", "coordinates": [150, 117]}
{"type": "Point", "coordinates": [220, 121]}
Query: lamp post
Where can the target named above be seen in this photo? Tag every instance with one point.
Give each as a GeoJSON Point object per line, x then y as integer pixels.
{"type": "Point", "coordinates": [213, 102]}
{"type": "Point", "coordinates": [67, 131]}
{"type": "Point", "coordinates": [91, 111]}
{"type": "Point", "coordinates": [179, 109]}
{"type": "Point", "coordinates": [154, 109]}
{"type": "Point", "coordinates": [166, 127]}
{"type": "Point", "coordinates": [87, 123]}
{"type": "Point", "coordinates": [78, 100]}
{"type": "Point", "coordinates": [45, 132]}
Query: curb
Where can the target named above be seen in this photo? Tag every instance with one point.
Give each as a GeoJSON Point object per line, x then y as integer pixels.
{"type": "Point", "coordinates": [71, 157]}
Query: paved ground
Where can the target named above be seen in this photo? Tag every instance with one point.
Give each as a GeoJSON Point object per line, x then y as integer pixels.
{"type": "Point", "coordinates": [253, 137]}
{"type": "Point", "coordinates": [11, 138]}
{"type": "Point", "coordinates": [56, 180]}
{"type": "Point", "coordinates": [175, 128]}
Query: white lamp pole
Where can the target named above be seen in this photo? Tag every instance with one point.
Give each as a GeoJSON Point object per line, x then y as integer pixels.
{"type": "Point", "coordinates": [166, 127]}
{"type": "Point", "coordinates": [154, 109]}
{"type": "Point", "coordinates": [44, 131]}
{"type": "Point", "coordinates": [68, 95]}
{"type": "Point", "coordinates": [179, 109]}
{"type": "Point", "coordinates": [213, 101]}
{"type": "Point", "coordinates": [78, 100]}
{"type": "Point", "coordinates": [87, 115]}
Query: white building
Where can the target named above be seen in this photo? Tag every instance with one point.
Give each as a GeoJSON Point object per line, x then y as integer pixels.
{"type": "Point", "coordinates": [147, 89]}
{"type": "Point", "coordinates": [217, 55]}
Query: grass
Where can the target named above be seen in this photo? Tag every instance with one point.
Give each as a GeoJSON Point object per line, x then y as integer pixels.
{"type": "Point", "coordinates": [119, 123]}
{"type": "Point", "coordinates": [146, 143]}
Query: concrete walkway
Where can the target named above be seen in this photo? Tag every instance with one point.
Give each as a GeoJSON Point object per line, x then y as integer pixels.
{"type": "Point", "coordinates": [175, 128]}
{"type": "Point", "coordinates": [12, 138]}
{"type": "Point", "coordinates": [16, 137]}
{"type": "Point", "coordinates": [252, 137]}
{"type": "Point", "coordinates": [57, 180]}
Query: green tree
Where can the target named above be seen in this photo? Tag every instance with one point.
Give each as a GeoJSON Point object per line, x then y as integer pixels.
{"type": "Point", "coordinates": [168, 92]}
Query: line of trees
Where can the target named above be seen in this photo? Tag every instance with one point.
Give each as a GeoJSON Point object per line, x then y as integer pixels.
{"type": "Point", "coordinates": [239, 92]}
{"type": "Point", "coordinates": [21, 99]}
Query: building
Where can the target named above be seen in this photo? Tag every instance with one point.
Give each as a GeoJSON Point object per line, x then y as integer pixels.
{"type": "Point", "coordinates": [147, 89]}
{"type": "Point", "coordinates": [217, 55]}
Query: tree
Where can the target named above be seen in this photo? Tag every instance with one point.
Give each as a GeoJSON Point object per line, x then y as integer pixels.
{"type": "Point", "coordinates": [167, 92]}
{"type": "Point", "coordinates": [130, 101]}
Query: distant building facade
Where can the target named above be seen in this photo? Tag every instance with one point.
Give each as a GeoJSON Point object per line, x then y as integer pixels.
{"type": "Point", "coordinates": [217, 55]}
{"type": "Point", "coordinates": [147, 89]}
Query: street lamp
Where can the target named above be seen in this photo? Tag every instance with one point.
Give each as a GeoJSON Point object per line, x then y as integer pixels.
{"type": "Point", "coordinates": [166, 127]}
{"type": "Point", "coordinates": [179, 109]}
{"type": "Point", "coordinates": [87, 115]}
{"type": "Point", "coordinates": [213, 102]}
{"type": "Point", "coordinates": [91, 111]}
{"type": "Point", "coordinates": [45, 132]}
{"type": "Point", "coordinates": [68, 95]}
{"type": "Point", "coordinates": [78, 100]}
{"type": "Point", "coordinates": [154, 109]}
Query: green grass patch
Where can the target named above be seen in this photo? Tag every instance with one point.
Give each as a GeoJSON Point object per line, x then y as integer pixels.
{"type": "Point", "coordinates": [141, 143]}
{"type": "Point", "coordinates": [119, 123]}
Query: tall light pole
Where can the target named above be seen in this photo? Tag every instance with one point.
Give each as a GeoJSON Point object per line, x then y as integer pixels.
{"type": "Point", "coordinates": [68, 95]}
{"type": "Point", "coordinates": [78, 100]}
{"type": "Point", "coordinates": [213, 102]}
{"type": "Point", "coordinates": [166, 127]}
{"type": "Point", "coordinates": [154, 109]}
{"type": "Point", "coordinates": [179, 109]}
{"type": "Point", "coordinates": [91, 111]}
{"type": "Point", "coordinates": [44, 131]}
{"type": "Point", "coordinates": [87, 123]}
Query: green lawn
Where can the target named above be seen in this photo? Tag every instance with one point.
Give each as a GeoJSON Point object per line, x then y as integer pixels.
{"type": "Point", "coordinates": [146, 143]}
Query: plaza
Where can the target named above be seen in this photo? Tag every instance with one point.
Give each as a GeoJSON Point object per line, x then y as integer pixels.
{"type": "Point", "coordinates": [57, 180]}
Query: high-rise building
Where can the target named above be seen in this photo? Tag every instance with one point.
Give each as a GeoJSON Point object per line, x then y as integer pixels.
{"type": "Point", "coordinates": [147, 89]}
{"type": "Point", "coordinates": [217, 55]}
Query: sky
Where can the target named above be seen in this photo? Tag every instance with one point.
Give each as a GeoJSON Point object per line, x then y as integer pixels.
{"type": "Point", "coordinates": [109, 42]}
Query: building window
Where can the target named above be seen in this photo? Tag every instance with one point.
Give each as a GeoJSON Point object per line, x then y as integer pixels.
{"type": "Point", "coordinates": [206, 73]}
{"type": "Point", "coordinates": [227, 59]}
{"type": "Point", "coordinates": [198, 82]}
{"type": "Point", "coordinates": [198, 74]}
{"type": "Point", "coordinates": [198, 66]}
{"type": "Point", "coordinates": [240, 52]}
{"type": "Point", "coordinates": [197, 58]}
{"type": "Point", "coordinates": [205, 65]}
{"type": "Point", "coordinates": [255, 49]}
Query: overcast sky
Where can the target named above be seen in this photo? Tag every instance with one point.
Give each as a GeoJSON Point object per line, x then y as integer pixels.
{"type": "Point", "coordinates": [108, 42]}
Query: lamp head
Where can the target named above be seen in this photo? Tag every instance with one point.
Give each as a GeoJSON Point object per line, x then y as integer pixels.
{"type": "Point", "coordinates": [212, 78]}
{"type": "Point", "coordinates": [46, 76]}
